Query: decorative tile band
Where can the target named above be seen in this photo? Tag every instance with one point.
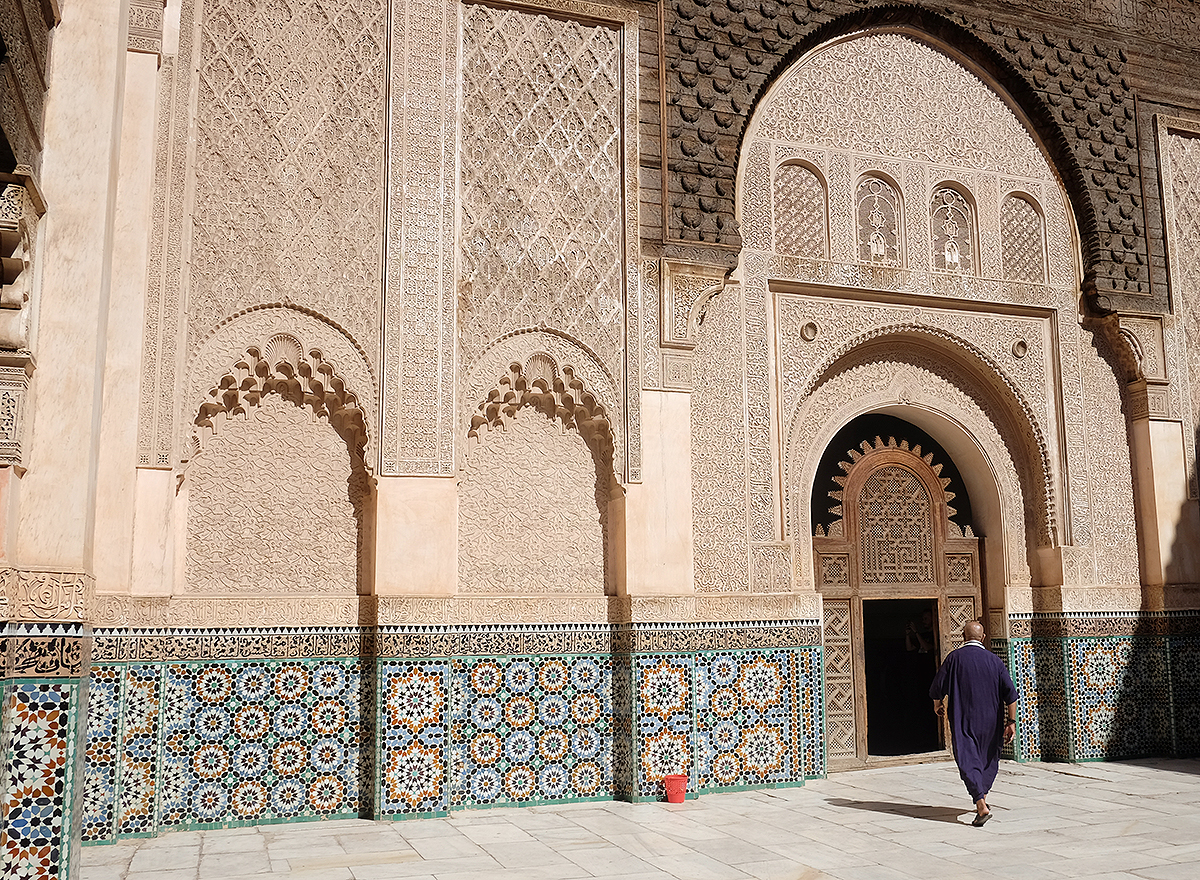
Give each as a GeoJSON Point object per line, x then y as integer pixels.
{"type": "Point", "coordinates": [1104, 697]}
{"type": "Point", "coordinates": [1103, 623]}
{"type": "Point", "coordinates": [121, 645]}
{"type": "Point", "coordinates": [175, 744]}
{"type": "Point", "coordinates": [40, 723]}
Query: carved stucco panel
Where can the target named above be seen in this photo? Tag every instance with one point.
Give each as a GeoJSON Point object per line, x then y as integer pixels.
{"type": "Point", "coordinates": [274, 501]}
{"type": "Point", "coordinates": [841, 96]}
{"type": "Point", "coordinates": [985, 151]}
{"type": "Point", "coordinates": [419, 294]}
{"type": "Point", "coordinates": [541, 188]}
{"type": "Point", "coordinates": [1114, 547]}
{"type": "Point", "coordinates": [195, 612]}
{"type": "Point", "coordinates": [1182, 402]}
{"type": "Point", "coordinates": [288, 162]}
{"type": "Point", "coordinates": [839, 322]}
{"type": "Point", "coordinates": [549, 196]}
{"type": "Point", "coordinates": [651, 292]}
{"type": "Point", "coordinates": [518, 348]}
{"type": "Point", "coordinates": [719, 450]}
{"type": "Point", "coordinates": [760, 435]}
{"type": "Point", "coordinates": [1179, 156]}
{"type": "Point", "coordinates": [162, 333]}
{"type": "Point", "coordinates": [532, 511]}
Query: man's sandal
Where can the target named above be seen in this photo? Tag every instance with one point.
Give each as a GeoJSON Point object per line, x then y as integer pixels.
{"type": "Point", "coordinates": [981, 820]}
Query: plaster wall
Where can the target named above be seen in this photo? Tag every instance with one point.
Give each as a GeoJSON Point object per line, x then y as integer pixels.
{"type": "Point", "coordinates": [80, 167]}
{"type": "Point", "coordinates": [116, 481]}
{"type": "Point", "coordinates": [658, 530]}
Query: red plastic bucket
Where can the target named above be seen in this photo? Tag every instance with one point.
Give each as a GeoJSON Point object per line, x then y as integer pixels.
{"type": "Point", "coordinates": [676, 786]}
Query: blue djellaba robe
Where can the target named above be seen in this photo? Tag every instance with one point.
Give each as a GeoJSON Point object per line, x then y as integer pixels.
{"type": "Point", "coordinates": [978, 687]}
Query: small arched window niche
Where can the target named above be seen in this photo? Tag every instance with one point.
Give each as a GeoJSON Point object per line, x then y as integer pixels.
{"type": "Point", "coordinates": [953, 229]}
{"type": "Point", "coordinates": [879, 219]}
{"type": "Point", "coordinates": [801, 211]}
{"type": "Point", "coordinates": [1022, 239]}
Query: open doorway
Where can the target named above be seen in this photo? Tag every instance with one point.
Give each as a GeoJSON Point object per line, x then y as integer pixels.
{"type": "Point", "coordinates": [901, 655]}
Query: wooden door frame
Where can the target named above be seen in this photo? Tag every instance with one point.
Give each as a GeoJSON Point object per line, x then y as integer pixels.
{"type": "Point", "coordinates": [837, 559]}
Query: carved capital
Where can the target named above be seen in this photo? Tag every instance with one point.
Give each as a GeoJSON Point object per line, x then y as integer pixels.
{"type": "Point", "coordinates": [1147, 399]}
{"type": "Point", "coordinates": [146, 26]}
{"type": "Point", "coordinates": [46, 596]}
{"type": "Point", "coordinates": [15, 370]}
{"type": "Point", "coordinates": [686, 288]}
{"type": "Point", "coordinates": [1136, 342]}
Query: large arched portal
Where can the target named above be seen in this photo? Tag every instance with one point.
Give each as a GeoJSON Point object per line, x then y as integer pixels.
{"type": "Point", "coordinates": [909, 251]}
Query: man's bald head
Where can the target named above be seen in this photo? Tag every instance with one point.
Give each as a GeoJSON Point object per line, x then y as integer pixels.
{"type": "Point", "coordinates": [973, 631]}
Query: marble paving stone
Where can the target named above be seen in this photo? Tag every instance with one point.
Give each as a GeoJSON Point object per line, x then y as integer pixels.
{"type": "Point", "coordinates": [103, 872]}
{"type": "Point", "coordinates": [217, 866]}
{"type": "Point", "coordinates": [445, 847]}
{"type": "Point", "coordinates": [1049, 824]}
{"type": "Point", "coordinates": [165, 859]}
{"type": "Point", "coordinates": [527, 853]}
{"type": "Point", "coordinates": [609, 861]}
{"type": "Point", "coordinates": [480, 867]}
{"type": "Point", "coordinates": [496, 832]}
{"type": "Point", "coordinates": [698, 867]}
{"type": "Point", "coordinates": [240, 843]}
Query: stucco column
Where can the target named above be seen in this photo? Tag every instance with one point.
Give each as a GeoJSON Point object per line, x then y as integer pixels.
{"type": "Point", "coordinates": [1168, 521]}
{"type": "Point", "coordinates": [416, 536]}
{"type": "Point", "coordinates": [658, 552]}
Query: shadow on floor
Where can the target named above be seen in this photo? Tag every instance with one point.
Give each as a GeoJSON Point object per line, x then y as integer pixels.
{"type": "Point", "coordinates": [1175, 765]}
{"type": "Point", "coordinates": [913, 811]}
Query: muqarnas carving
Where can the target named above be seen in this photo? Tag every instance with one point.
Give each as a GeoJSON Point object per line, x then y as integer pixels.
{"type": "Point", "coordinates": [535, 488]}
{"type": "Point", "coordinates": [277, 483]}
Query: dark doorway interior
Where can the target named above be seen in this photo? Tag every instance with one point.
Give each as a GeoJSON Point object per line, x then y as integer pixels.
{"type": "Point", "coordinates": [900, 641]}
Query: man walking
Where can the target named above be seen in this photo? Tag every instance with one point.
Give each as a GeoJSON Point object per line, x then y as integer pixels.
{"type": "Point", "coordinates": [983, 709]}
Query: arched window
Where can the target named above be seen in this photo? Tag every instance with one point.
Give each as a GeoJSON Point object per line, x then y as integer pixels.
{"type": "Point", "coordinates": [877, 211]}
{"type": "Point", "coordinates": [1022, 240]}
{"type": "Point", "coordinates": [952, 223]}
{"type": "Point", "coordinates": [800, 212]}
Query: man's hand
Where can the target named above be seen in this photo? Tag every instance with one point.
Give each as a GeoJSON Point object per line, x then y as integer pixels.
{"type": "Point", "coordinates": [1010, 730]}
{"type": "Point", "coordinates": [938, 707]}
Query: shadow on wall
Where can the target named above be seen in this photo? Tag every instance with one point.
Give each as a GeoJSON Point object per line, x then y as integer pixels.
{"type": "Point", "coordinates": [1156, 672]}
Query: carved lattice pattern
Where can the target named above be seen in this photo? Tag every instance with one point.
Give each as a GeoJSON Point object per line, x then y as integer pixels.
{"type": "Point", "coordinates": [1022, 240]}
{"type": "Point", "coordinates": [959, 569]}
{"type": "Point", "coordinates": [961, 609]}
{"type": "Point", "coordinates": [835, 570]}
{"type": "Point", "coordinates": [895, 528]}
{"type": "Point", "coordinates": [800, 213]}
{"type": "Point", "coordinates": [841, 739]}
{"type": "Point", "coordinates": [953, 228]}
{"type": "Point", "coordinates": [541, 179]}
{"type": "Point", "coordinates": [289, 153]}
{"type": "Point", "coordinates": [877, 208]}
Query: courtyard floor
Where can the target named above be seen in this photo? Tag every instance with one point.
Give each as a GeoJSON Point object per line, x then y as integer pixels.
{"type": "Point", "coordinates": [1100, 821]}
